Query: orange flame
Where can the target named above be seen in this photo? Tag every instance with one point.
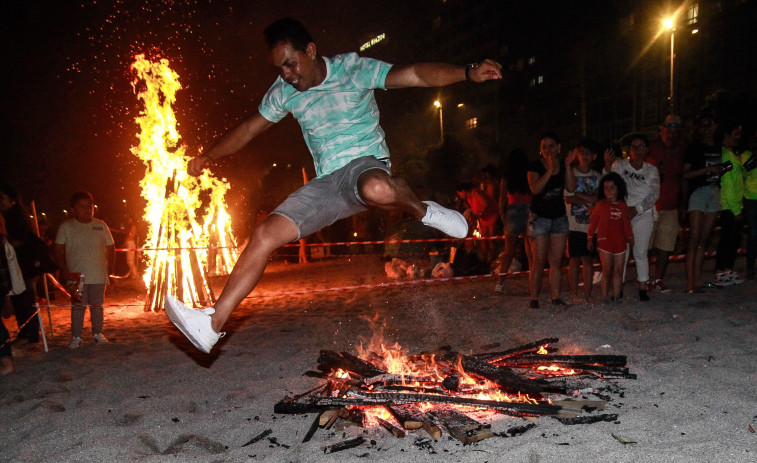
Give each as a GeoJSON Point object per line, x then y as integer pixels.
{"type": "Point", "coordinates": [181, 224]}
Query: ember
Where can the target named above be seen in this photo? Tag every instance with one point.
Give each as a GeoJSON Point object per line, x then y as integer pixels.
{"type": "Point", "coordinates": [459, 393]}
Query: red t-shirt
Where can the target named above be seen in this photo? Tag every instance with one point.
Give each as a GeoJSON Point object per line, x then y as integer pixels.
{"type": "Point", "coordinates": [611, 223]}
{"type": "Point", "coordinates": [669, 162]}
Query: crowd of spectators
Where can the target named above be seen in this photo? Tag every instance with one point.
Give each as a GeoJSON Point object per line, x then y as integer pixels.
{"type": "Point", "coordinates": [678, 192]}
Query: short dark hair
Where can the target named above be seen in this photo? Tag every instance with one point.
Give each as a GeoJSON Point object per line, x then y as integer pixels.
{"type": "Point", "coordinates": [79, 195]}
{"type": "Point", "coordinates": [615, 178]}
{"type": "Point", "coordinates": [551, 135]}
{"type": "Point", "coordinates": [591, 145]}
{"type": "Point", "coordinates": [465, 186]}
{"type": "Point", "coordinates": [287, 30]}
{"type": "Point", "coordinates": [636, 136]}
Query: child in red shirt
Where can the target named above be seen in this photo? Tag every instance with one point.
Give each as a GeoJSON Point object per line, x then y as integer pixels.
{"type": "Point", "coordinates": [609, 219]}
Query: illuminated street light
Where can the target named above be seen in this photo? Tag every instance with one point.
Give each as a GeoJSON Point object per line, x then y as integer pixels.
{"type": "Point", "coordinates": [669, 24]}
{"type": "Point", "coordinates": [438, 104]}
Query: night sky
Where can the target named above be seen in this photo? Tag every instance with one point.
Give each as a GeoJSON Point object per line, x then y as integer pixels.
{"type": "Point", "coordinates": [69, 107]}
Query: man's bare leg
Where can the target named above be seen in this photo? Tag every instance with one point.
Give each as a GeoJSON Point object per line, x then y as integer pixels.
{"type": "Point", "coordinates": [379, 189]}
{"type": "Point", "coordinates": [272, 233]}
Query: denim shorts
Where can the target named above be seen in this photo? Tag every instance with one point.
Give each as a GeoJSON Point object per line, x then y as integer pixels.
{"type": "Point", "coordinates": [324, 200]}
{"type": "Point", "coordinates": [516, 219]}
{"type": "Point", "coordinates": [544, 226]}
{"type": "Point", "coordinates": [705, 199]}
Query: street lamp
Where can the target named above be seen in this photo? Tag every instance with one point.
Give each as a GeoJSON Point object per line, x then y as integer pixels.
{"type": "Point", "coordinates": [438, 104]}
{"type": "Point", "coordinates": [670, 25]}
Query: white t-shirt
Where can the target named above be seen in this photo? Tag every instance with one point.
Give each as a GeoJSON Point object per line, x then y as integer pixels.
{"type": "Point", "coordinates": [643, 185]}
{"type": "Point", "coordinates": [85, 249]}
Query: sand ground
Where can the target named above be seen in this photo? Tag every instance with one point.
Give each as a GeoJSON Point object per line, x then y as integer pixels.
{"type": "Point", "coordinates": [150, 396]}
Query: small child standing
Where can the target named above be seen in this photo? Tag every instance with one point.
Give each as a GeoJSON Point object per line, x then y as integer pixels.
{"type": "Point", "coordinates": [84, 246]}
{"type": "Point", "coordinates": [610, 221]}
{"type": "Point", "coordinates": [580, 195]}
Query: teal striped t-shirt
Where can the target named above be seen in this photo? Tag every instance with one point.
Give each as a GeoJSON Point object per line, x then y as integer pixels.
{"type": "Point", "coordinates": [339, 117]}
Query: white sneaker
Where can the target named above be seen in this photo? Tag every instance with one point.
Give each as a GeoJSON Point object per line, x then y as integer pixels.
{"type": "Point", "coordinates": [500, 288]}
{"type": "Point", "coordinates": [734, 278]}
{"type": "Point", "coordinates": [75, 343]}
{"type": "Point", "coordinates": [446, 220]}
{"type": "Point", "coordinates": [723, 279]}
{"type": "Point", "coordinates": [195, 324]}
{"type": "Point", "coordinates": [99, 338]}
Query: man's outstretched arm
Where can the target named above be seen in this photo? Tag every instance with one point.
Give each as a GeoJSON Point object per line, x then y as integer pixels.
{"type": "Point", "coordinates": [230, 143]}
{"type": "Point", "coordinates": [440, 74]}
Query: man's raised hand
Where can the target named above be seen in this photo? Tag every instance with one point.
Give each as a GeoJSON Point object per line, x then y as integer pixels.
{"type": "Point", "coordinates": [485, 70]}
{"type": "Point", "coordinates": [196, 165]}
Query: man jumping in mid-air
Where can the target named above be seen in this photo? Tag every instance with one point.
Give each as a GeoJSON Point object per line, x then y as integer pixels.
{"type": "Point", "coordinates": [333, 101]}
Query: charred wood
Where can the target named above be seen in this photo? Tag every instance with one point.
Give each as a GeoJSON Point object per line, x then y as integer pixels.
{"type": "Point", "coordinates": [600, 360]}
{"type": "Point", "coordinates": [330, 360]}
{"type": "Point", "coordinates": [506, 378]}
{"type": "Point", "coordinates": [394, 430]}
{"type": "Point", "coordinates": [345, 445]}
{"type": "Point", "coordinates": [588, 419]}
{"type": "Point", "coordinates": [388, 398]}
{"type": "Point", "coordinates": [407, 415]}
{"type": "Point", "coordinates": [259, 437]}
{"type": "Point", "coordinates": [461, 426]}
{"type": "Point", "coordinates": [451, 383]}
{"type": "Point", "coordinates": [515, 351]}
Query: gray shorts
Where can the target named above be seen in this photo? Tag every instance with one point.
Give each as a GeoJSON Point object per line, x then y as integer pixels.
{"type": "Point", "coordinates": [324, 200]}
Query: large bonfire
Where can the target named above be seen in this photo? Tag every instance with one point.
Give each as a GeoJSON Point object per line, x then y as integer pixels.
{"type": "Point", "coordinates": [189, 227]}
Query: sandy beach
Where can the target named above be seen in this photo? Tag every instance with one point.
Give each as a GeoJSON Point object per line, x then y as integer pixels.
{"type": "Point", "coordinates": [149, 396]}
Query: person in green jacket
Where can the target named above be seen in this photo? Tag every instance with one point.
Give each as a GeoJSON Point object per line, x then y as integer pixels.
{"type": "Point", "coordinates": [732, 203]}
{"type": "Point", "coordinates": [749, 163]}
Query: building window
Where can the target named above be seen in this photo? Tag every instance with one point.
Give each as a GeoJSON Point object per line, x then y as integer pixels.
{"type": "Point", "coordinates": [692, 14]}
{"type": "Point", "coordinates": [471, 123]}
{"type": "Point", "coordinates": [540, 80]}
{"type": "Point", "coordinates": [531, 60]}
{"type": "Point", "coordinates": [532, 83]}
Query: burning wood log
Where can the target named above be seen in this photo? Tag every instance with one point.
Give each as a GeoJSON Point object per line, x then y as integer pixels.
{"type": "Point", "coordinates": [531, 360]}
{"type": "Point", "coordinates": [330, 360]}
{"type": "Point", "coordinates": [506, 378]}
{"type": "Point", "coordinates": [394, 430]}
{"type": "Point", "coordinates": [388, 379]}
{"type": "Point", "coordinates": [494, 357]}
{"type": "Point", "coordinates": [356, 398]}
{"type": "Point", "coordinates": [460, 426]}
{"type": "Point", "coordinates": [408, 415]}
{"type": "Point", "coordinates": [389, 398]}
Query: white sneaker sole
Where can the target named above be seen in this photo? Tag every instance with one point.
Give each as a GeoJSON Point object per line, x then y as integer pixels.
{"type": "Point", "coordinates": [177, 315]}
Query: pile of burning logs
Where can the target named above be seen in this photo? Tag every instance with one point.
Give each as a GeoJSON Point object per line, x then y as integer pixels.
{"type": "Point", "coordinates": [530, 381]}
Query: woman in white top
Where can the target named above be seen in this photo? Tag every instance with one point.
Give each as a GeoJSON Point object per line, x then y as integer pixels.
{"type": "Point", "coordinates": [643, 183]}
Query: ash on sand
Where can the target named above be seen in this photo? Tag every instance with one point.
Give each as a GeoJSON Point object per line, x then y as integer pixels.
{"type": "Point", "coordinates": [149, 396]}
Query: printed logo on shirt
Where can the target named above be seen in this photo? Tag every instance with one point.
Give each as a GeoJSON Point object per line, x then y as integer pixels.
{"type": "Point", "coordinates": [634, 175]}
